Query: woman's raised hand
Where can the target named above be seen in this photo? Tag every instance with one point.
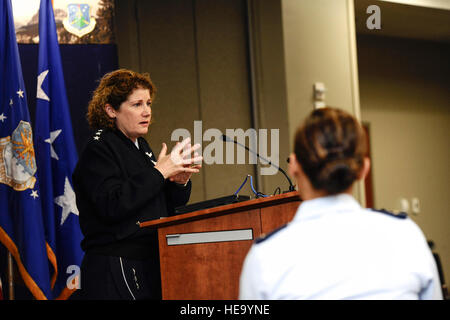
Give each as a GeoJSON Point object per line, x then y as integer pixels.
{"type": "Point", "coordinates": [179, 160]}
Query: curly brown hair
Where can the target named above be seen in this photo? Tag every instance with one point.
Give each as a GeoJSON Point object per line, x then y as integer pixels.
{"type": "Point", "coordinates": [115, 88]}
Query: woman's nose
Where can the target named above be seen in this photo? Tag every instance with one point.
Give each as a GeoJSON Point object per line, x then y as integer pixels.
{"type": "Point", "coordinates": [147, 111]}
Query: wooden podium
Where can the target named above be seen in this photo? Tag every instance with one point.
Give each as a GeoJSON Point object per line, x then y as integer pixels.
{"type": "Point", "coordinates": [202, 252]}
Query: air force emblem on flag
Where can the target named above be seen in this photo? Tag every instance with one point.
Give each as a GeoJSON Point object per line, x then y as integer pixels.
{"type": "Point", "coordinates": [17, 160]}
{"type": "Point", "coordinates": [79, 20]}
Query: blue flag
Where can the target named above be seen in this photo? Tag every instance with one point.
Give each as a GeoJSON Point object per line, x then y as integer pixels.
{"type": "Point", "coordinates": [56, 159]}
{"type": "Point", "coordinates": [21, 220]}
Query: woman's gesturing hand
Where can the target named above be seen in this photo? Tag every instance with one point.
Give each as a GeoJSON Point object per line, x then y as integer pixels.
{"type": "Point", "coordinates": [183, 177]}
{"type": "Point", "coordinates": [179, 161]}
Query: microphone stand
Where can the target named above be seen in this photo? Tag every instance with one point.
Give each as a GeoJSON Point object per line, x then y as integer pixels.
{"type": "Point", "coordinates": [228, 139]}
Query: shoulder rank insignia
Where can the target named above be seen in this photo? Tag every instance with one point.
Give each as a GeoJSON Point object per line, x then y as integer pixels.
{"type": "Point", "coordinates": [97, 134]}
{"type": "Point", "coordinates": [267, 236]}
{"type": "Point", "coordinates": [400, 215]}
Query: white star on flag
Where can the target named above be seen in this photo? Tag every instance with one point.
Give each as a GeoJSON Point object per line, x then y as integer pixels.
{"type": "Point", "coordinates": [19, 93]}
{"type": "Point", "coordinates": [67, 201]}
{"type": "Point", "coordinates": [34, 194]}
{"type": "Point", "coordinates": [11, 102]}
{"type": "Point", "coordinates": [53, 136]}
{"type": "Point", "coordinates": [2, 117]}
{"type": "Point", "coordinates": [40, 94]}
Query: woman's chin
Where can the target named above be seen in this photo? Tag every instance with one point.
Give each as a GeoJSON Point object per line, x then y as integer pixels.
{"type": "Point", "coordinates": [143, 131]}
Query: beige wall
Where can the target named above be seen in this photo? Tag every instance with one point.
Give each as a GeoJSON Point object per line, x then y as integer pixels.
{"type": "Point", "coordinates": [405, 100]}
{"type": "Point", "coordinates": [269, 81]}
{"type": "Point", "coordinates": [320, 46]}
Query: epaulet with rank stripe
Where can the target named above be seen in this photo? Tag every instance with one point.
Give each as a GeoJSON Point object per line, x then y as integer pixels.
{"type": "Point", "coordinates": [267, 236]}
{"type": "Point", "coordinates": [400, 215]}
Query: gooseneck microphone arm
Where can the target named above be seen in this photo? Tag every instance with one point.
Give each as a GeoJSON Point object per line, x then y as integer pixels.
{"type": "Point", "coordinates": [228, 139]}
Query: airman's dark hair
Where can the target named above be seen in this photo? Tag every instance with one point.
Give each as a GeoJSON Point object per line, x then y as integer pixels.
{"type": "Point", "coordinates": [330, 146]}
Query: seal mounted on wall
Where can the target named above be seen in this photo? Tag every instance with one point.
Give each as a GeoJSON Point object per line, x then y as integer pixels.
{"type": "Point", "coordinates": [79, 21]}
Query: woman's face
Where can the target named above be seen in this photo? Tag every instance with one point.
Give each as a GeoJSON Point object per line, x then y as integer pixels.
{"type": "Point", "coordinates": [134, 114]}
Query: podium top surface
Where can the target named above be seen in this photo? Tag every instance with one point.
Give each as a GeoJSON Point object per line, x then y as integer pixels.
{"type": "Point", "coordinates": [225, 209]}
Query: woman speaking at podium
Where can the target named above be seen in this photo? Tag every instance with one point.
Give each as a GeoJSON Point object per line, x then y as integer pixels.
{"type": "Point", "coordinates": [333, 248]}
{"type": "Point", "coordinates": [118, 183]}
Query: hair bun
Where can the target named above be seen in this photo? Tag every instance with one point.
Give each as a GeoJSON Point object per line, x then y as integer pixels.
{"type": "Point", "coordinates": [330, 146]}
{"type": "Point", "coordinates": [337, 176]}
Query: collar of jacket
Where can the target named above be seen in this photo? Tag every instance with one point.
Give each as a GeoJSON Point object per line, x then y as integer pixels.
{"type": "Point", "coordinates": [144, 149]}
{"type": "Point", "coordinates": [122, 136]}
{"type": "Point", "coordinates": [320, 207]}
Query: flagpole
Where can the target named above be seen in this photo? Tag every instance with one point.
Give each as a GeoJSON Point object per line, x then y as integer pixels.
{"type": "Point", "coordinates": [10, 276]}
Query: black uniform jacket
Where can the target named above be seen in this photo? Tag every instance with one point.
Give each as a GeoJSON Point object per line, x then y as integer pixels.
{"type": "Point", "coordinates": [116, 187]}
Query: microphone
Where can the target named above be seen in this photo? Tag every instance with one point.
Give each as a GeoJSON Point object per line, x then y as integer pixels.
{"type": "Point", "coordinates": [228, 139]}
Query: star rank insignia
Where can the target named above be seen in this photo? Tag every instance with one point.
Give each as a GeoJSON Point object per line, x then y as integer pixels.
{"type": "Point", "coordinates": [97, 135]}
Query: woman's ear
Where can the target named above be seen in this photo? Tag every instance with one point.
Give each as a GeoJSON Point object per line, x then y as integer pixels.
{"type": "Point", "coordinates": [293, 165]}
{"type": "Point", "coordinates": [110, 111]}
{"type": "Point", "coordinates": [365, 169]}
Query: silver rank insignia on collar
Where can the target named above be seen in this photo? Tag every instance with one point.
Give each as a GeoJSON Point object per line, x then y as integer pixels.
{"type": "Point", "coordinates": [149, 154]}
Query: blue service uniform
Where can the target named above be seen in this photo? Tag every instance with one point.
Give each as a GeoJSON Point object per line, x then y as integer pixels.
{"type": "Point", "coordinates": [335, 249]}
